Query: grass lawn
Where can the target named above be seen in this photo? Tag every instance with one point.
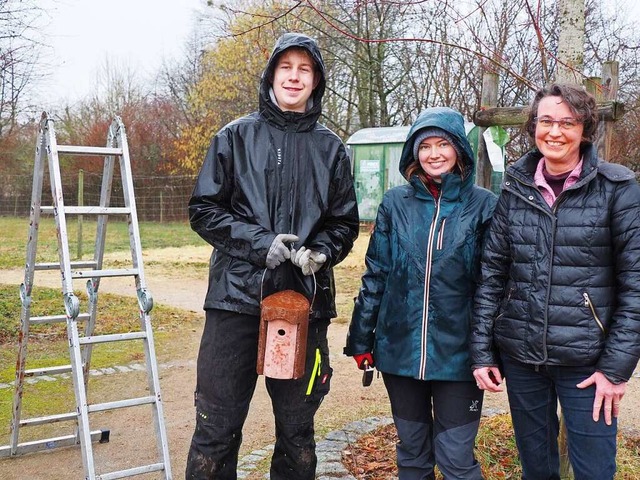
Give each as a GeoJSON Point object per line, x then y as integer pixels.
{"type": "Point", "coordinates": [153, 235]}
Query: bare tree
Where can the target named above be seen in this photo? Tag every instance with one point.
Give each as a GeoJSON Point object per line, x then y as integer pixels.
{"type": "Point", "coordinates": [18, 58]}
{"type": "Point", "coordinates": [613, 37]}
{"type": "Point", "coordinates": [364, 75]}
{"type": "Point", "coordinates": [389, 59]}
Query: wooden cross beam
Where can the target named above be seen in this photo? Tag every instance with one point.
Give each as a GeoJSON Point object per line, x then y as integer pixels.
{"type": "Point", "coordinates": [516, 116]}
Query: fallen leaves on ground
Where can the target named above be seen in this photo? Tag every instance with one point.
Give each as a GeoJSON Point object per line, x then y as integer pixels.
{"type": "Point", "coordinates": [373, 456]}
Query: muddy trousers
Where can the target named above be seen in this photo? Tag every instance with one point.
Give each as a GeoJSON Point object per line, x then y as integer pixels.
{"type": "Point", "coordinates": [226, 381]}
{"type": "Point", "coordinates": [437, 423]}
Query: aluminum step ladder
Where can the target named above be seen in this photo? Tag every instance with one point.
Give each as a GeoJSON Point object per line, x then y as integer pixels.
{"type": "Point", "coordinates": [80, 345]}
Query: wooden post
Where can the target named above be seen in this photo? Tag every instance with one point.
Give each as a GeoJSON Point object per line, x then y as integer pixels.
{"type": "Point", "coordinates": [566, 472]}
{"type": "Point", "coordinates": [592, 85]}
{"type": "Point", "coordinates": [489, 99]}
{"type": "Point", "coordinates": [80, 203]}
{"type": "Point", "coordinates": [609, 92]}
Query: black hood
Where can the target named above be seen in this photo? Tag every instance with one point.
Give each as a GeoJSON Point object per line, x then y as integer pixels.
{"type": "Point", "coordinates": [302, 121]}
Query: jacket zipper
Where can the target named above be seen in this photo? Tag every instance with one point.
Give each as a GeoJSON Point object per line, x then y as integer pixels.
{"type": "Point", "coordinates": [427, 281]}
{"type": "Point", "coordinates": [587, 303]}
{"type": "Point", "coordinates": [440, 243]}
{"type": "Point", "coordinates": [290, 187]}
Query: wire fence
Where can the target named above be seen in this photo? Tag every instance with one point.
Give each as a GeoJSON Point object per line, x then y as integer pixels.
{"type": "Point", "coordinates": [158, 198]}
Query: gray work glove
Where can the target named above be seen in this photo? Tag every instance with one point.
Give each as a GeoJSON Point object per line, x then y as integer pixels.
{"type": "Point", "coordinates": [309, 261]}
{"type": "Point", "coordinates": [278, 251]}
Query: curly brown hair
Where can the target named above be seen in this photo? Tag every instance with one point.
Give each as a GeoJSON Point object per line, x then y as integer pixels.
{"type": "Point", "coordinates": [581, 103]}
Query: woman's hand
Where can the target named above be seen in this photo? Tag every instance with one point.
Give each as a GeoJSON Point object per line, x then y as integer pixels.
{"type": "Point", "coordinates": [488, 378]}
{"type": "Point", "coordinates": [608, 396]}
{"type": "Point", "coordinates": [364, 360]}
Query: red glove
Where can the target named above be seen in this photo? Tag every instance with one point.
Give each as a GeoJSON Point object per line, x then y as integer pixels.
{"type": "Point", "coordinates": [361, 358]}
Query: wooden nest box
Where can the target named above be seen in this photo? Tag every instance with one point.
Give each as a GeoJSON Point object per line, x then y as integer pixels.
{"type": "Point", "coordinates": [284, 323]}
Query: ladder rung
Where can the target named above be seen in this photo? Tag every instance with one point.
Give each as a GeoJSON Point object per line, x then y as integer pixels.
{"type": "Point", "coordinates": [57, 319]}
{"type": "Point", "coordinates": [91, 210]}
{"type": "Point", "coordinates": [83, 150]}
{"type": "Point", "coordinates": [130, 472]}
{"type": "Point", "coordinates": [49, 443]}
{"type": "Point", "coordinates": [132, 402]}
{"type": "Point", "coordinates": [56, 266]}
{"type": "Point", "coordinates": [61, 417]}
{"type": "Point", "coordinates": [121, 272]}
{"type": "Point", "coordinates": [36, 372]}
{"type": "Point", "coordinates": [116, 337]}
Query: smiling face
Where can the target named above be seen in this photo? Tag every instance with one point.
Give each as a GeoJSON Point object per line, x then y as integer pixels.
{"type": "Point", "coordinates": [437, 156]}
{"type": "Point", "coordinates": [294, 79]}
{"type": "Point", "coordinates": [559, 145]}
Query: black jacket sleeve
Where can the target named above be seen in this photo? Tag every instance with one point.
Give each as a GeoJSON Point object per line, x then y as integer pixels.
{"type": "Point", "coordinates": [341, 225]}
{"type": "Point", "coordinates": [622, 347]}
{"type": "Point", "coordinates": [489, 295]}
{"type": "Point", "coordinates": [210, 214]}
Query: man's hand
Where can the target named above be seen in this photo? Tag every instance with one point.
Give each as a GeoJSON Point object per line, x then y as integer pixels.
{"type": "Point", "coordinates": [309, 261]}
{"type": "Point", "coordinates": [608, 396]}
{"type": "Point", "coordinates": [488, 378]}
{"type": "Point", "coordinates": [278, 251]}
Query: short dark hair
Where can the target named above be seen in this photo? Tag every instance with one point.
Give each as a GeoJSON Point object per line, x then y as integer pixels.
{"type": "Point", "coordinates": [581, 103]}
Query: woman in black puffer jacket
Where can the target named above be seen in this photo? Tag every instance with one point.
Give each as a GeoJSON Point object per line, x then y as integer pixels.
{"type": "Point", "coordinates": [559, 296]}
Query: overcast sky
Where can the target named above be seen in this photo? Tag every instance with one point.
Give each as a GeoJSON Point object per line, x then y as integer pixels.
{"type": "Point", "coordinates": [134, 34]}
{"type": "Point", "coordinates": [85, 34]}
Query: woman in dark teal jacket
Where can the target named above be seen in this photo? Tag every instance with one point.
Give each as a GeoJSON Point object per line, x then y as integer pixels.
{"type": "Point", "coordinates": [413, 313]}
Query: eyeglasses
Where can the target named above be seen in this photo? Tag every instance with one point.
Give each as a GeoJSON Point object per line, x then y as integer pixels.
{"type": "Point", "coordinates": [563, 123]}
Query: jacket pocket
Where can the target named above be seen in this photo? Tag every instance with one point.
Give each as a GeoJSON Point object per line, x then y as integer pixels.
{"type": "Point", "coordinates": [505, 303]}
{"type": "Point", "coordinates": [319, 381]}
{"type": "Point", "coordinates": [594, 314]}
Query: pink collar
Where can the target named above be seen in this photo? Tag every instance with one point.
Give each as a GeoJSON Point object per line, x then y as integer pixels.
{"type": "Point", "coordinates": [543, 186]}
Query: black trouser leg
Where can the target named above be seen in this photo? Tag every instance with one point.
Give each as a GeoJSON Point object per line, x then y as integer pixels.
{"type": "Point", "coordinates": [437, 423]}
{"type": "Point", "coordinates": [225, 384]}
{"type": "Point", "coordinates": [412, 415]}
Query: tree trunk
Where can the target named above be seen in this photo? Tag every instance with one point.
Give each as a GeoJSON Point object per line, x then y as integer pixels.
{"type": "Point", "coordinates": [570, 41]}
